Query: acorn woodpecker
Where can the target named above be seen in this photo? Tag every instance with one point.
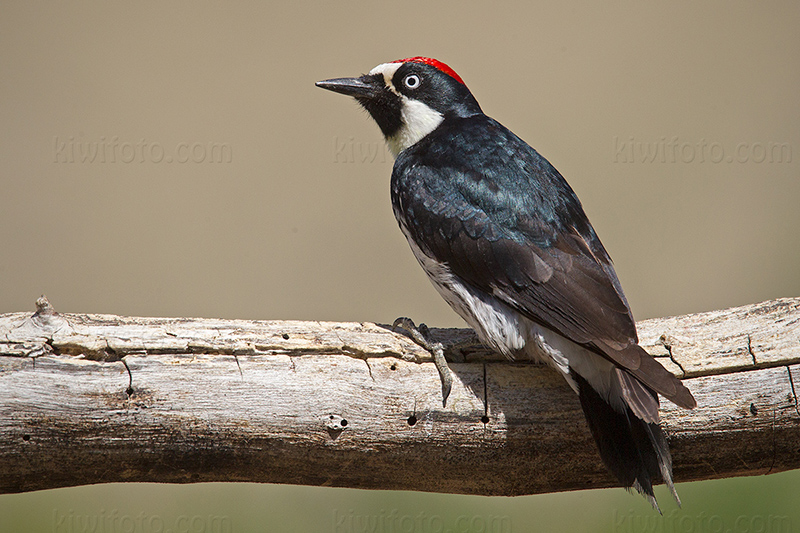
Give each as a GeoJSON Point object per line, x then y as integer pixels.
{"type": "Point", "coordinates": [505, 241]}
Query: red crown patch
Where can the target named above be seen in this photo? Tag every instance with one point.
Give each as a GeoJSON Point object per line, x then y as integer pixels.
{"type": "Point", "coordinates": [435, 63]}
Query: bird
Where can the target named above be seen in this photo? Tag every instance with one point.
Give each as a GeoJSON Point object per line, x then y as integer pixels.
{"type": "Point", "coordinates": [506, 242]}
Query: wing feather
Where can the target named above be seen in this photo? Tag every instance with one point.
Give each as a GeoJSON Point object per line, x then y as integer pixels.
{"type": "Point", "coordinates": [539, 256]}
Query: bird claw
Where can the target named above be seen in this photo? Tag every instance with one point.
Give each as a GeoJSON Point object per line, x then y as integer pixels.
{"type": "Point", "coordinates": [421, 336]}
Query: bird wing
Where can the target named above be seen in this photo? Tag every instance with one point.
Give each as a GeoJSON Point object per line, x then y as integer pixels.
{"type": "Point", "coordinates": [515, 230]}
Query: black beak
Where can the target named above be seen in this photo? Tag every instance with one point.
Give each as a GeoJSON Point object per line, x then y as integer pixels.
{"type": "Point", "coordinates": [367, 86]}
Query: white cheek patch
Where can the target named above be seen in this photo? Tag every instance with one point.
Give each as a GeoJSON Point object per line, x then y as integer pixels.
{"type": "Point", "coordinates": [418, 121]}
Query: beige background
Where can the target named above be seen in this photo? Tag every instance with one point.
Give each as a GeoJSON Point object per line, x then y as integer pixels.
{"type": "Point", "coordinates": [293, 222]}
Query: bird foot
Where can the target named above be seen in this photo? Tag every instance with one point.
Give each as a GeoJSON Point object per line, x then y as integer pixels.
{"type": "Point", "coordinates": [421, 335]}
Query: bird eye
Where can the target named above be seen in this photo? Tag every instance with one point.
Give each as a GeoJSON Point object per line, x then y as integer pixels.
{"type": "Point", "coordinates": [411, 81]}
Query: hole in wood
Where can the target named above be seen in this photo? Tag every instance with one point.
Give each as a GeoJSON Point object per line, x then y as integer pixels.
{"type": "Point", "coordinates": [335, 424]}
{"type": "Point", "coordinates": [412, 420]}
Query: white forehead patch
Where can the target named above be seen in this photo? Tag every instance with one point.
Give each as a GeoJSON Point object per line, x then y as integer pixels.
{"type": "Point", "coordinates": [388, 70]}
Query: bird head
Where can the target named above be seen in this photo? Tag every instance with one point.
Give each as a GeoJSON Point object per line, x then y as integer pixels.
{"type": "Point", "coordinates": [408, 98]}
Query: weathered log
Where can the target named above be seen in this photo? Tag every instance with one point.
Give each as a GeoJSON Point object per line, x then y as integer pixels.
{"type": "Point", "coordinates": [98, 398]}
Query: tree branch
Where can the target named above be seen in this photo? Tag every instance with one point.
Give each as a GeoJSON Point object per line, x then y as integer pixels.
{"type": "Point", "coordinates": [98, 398]}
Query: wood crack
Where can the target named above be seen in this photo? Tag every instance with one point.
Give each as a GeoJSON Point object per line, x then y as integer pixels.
{"type": "Point", "coordinates": [750, 350]}
{"type": "Point", "coordinates": [369, 369]}
{"type": "Point", "coordinates": [794, 393]}
{"type": "Point", "coordinates": [667, 344]}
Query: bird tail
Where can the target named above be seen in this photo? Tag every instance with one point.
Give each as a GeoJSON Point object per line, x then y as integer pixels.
{"type": "Point", "coordinates": [634, 449]}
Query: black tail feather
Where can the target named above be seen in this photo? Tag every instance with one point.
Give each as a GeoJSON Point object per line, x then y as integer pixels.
{"type": "Point", "coordinates": [635, 451]}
